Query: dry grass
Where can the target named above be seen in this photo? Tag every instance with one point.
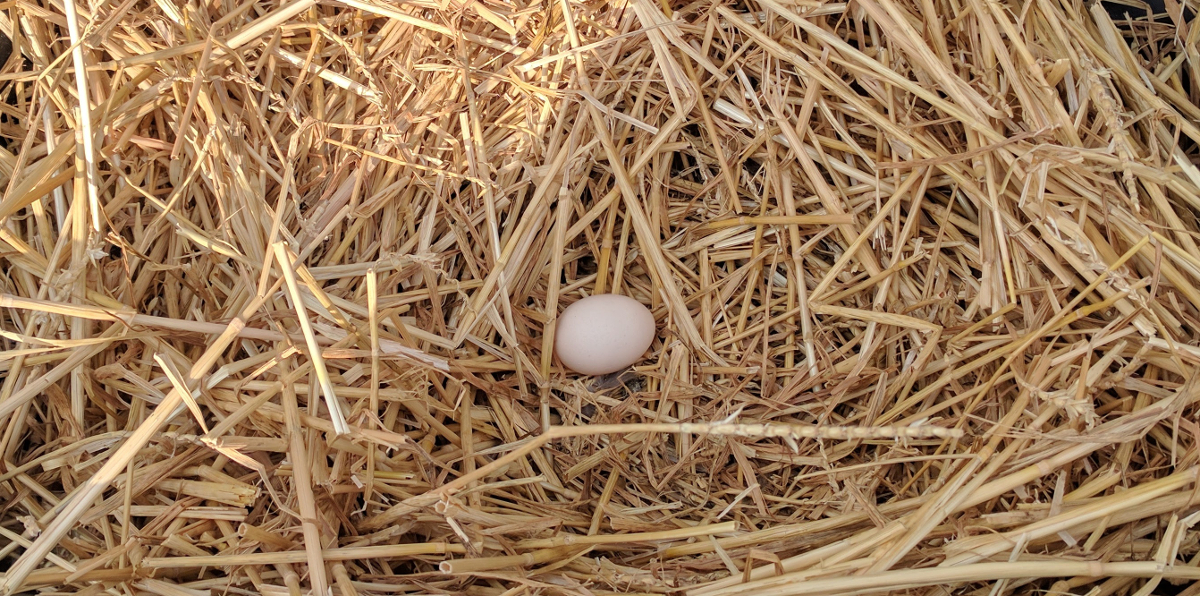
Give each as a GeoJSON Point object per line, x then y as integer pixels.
{"type": "Point", "coordinates": [277, 297]}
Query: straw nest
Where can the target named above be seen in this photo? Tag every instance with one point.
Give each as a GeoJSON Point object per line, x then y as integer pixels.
{"type": "Point", "coordinates": [279, 296]}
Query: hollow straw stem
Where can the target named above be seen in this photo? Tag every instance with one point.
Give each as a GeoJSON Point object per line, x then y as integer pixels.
{"type": "Point", "coordinates": [680, 534]}
{"type": "Point", "coordinates": [299, 556]}
{"type": "Point", "coordinates": [314, 349]}
{"type": "Point", "coordinates": [493, 563]}
{"type": "Point", "coordinates": [85, 113]}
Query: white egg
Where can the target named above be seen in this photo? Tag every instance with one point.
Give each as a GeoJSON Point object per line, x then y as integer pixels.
{"type": "Point", "coordinates": [603, 334]}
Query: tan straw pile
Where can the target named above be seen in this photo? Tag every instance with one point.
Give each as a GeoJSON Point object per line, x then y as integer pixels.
{"type": "Point", "coordinates": [279, 284]}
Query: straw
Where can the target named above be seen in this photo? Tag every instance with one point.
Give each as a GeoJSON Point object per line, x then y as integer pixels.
{"type": "Point", "coordinates": [280, 286]}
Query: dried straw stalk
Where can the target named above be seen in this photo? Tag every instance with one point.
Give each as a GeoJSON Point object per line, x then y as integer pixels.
{"type": "Point", "coordinates": [280, 282]}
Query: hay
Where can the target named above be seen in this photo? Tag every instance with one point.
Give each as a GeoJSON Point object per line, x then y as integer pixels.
{"type": "Point", "coordinates": [279, 297]}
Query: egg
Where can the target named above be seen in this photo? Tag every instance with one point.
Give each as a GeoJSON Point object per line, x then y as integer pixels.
{"type": "Point", "coordinates": [604, 333]}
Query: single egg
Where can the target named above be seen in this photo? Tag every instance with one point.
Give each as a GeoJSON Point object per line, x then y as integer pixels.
{"type": "Point", "coordinates": [603, 334]}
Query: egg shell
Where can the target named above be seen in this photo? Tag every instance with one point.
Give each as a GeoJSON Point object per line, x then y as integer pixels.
{"type": "Point", "coordinates": [604, 333]}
